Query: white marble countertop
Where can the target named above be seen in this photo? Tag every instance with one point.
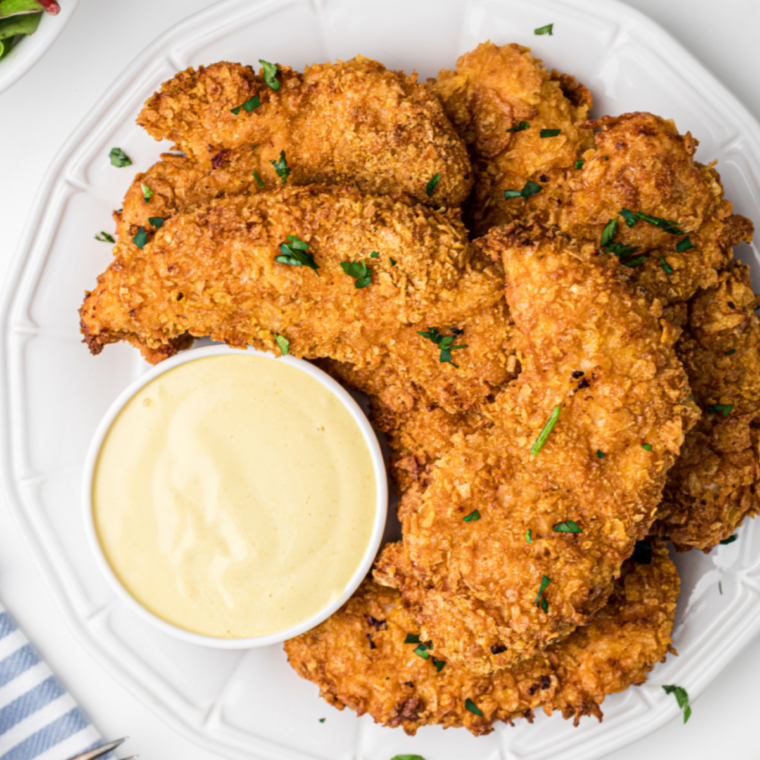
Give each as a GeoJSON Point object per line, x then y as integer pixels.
{"type": "Point", "coordinates": [39, 112]}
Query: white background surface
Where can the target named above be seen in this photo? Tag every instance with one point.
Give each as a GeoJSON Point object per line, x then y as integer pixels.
{"type": "Point", "coordinates": [36, 116]}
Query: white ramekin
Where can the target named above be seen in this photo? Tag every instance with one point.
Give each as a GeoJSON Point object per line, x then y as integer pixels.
{"type": "Point", "coordinates": [373, 545]}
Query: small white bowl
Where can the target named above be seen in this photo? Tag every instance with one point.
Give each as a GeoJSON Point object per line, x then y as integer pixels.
{"type": "Point", "coordinates": [378, 526]}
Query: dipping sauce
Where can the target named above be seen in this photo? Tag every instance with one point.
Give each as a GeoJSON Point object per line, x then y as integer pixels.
{"type": "Point", "coordinates": [234, 496]}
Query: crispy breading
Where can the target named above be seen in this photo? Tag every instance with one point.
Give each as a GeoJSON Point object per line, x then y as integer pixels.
{"type": "Point", "coordinates": [594, 349]}
{"type": "Point", "coordinates": [495, 90]}
{"type": "Point", "coordinates": [716, 481]}
{"type": "Point", "coordinates": [349, 122]}
{"type": "Point", "coordinates": [213, 272]}
{"type": "Point", "coordinates": [359, 659]}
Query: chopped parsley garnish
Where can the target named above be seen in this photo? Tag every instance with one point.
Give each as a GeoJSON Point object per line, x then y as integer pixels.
{"type": "Point", "coordinates": [421, 650]}
{"type": "Point", "coordinates": [283, 343]}
{"type": "Point", "coordinates": [579, 163]}
{"type": "Point", "coordinates": [568, 526]}
{"type": "Point", "coordinates": [430, 187]}
{"type": "Point", "coordinates": [629, 216]}
{"type": "Point", "coordinates": [294, 252]}
{"type": "Point", "coordinates": [444, 342]}
{"type": "Point", "coordinates": [732, 351]}
{"type": "Point", "coordinates": [322, 720]}
{"type": "Point", "coordinates": [281, 167]}
{"type": "Point", "coordinates": [146, 191]}
{"type": "Point", "coordinates": [361, 273]}
{"type": "Point", "coordinates": [270, 74]}
{"type": "Point", "coordinates": [519, 127]}
{"type": "Point", "coordinates": [528, 536]}
{"type": "Point", "coordinates": [635, 261]}
{"type": "Point", "coordinates": [141, 238]}
{"type": "Point", "coordinates": [642, 553]}
{"type": "Point", "coordinates": [664, 264]}
{"type": "Point", "coordinates": [472, 517]}
{"type": "Point", "coordinates": [119, 158]}
{"type": "Point", "coordinates": [548, 29]}
{"type": "Point", "coordinates": [412, 638]}
{"type": "Point", "coordinates": [682, 698]}
{"type": "Point", "coordinates": [472, 707]}
{"type": "Point", "coordinates": [104, 237]}
{"type": "Point", "coordinates": [374, 255]}
{"type": "Point", "coordinates": [156, 221]}
{"type": "Point", "coordinates": [407, 757]}
{"type": "Point", "coordinates": [545, 431]}
{"type": "Point", "coordinates": [249, 105]}
{"type": "Point", "coordinates": [540, 600]}
{"type": "Point", "coordinates": [258, 179]}
{"type": "Point", "coordinates": [393, 262]}
{"type": "Point", "coordinates": [608, 233]}
{"type": "Point", "coordinates": [664, 224]}
{"type": "Point", "coordinates": [684, 245]}
{"type": "Point", "coordinates": [729, 540]}
{"type": "Point", "coordinates": [550, 132]}
{"type": "Point", "coordinates": [646, 446]}
{"type": "Point", "coordinates": [724, 409]}
{"type": "Point", "coordinates": [438, 664]}
{"type": "Point", "coordinates": [600, 454]}
{"type": "Point", "coordinates": [608, 244]}
{"type": "Point", "coordinates": [531, 188]}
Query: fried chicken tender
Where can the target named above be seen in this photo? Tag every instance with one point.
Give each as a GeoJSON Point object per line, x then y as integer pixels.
{"type": "Point", "coordinates": [716, 481]}
{"type": "Point", "coordinates": [214, 272]}
{"type": "Point", "coordinates": [594, 352]}
{"type": "Point", "coordinates": [489, 99]}
{"type": "Point", "coordinates": [349, 122]}
{"type": "Point", "coordinates": [359, 658]}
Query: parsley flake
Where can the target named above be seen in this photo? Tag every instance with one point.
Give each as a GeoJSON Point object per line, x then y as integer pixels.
{"type": "Point", "coordinates": [361, 273]}
{"type": "Point", "coordinates": [393, 262]}
{"type": "Point", "coordinates": [600, 454]}
{"type": "Point", "coordinates": [642, 553]}
{"type": "Point", "coordinates": [294, 252]}
{"type": "Point", "coordinates": [422, 651]}
{"type": "Point", "coordinates": [540, 600]}
{"type": "Point", "coordinates": [119, 158]}
{"type": "Point", "coordinates": [608, 244]}
{"type": "Point", "coordinates": [281, 167]}
{"type": "Point", "coordinates": [548, 29]}
{"type": "Point", "coordinates": [438, 664]}
{"type": "Point", "coordinates": [104, 237]}
{"type": "Point", "coordinates": [646, 446]}
{"type": "Point", "coordinates": [249, 105]}
{"type": "Point", "coordinates": [682, 698]}
{"type": "Point", "coordinates": [374, 255]}
{"type": "Point", "coordinates": [322, 720]}
{"type": "Point", "coordinates": [664, 224]}
{"type": "Point", "coordinates": [408, 757]}
{"type": "Point", "coordinates": [545, 431]}
{"type": "Point", "coordinates": [635, 261]}
{"type": "Point", "coordinates": [146, 191]}
{"type": "Point", "coordinates": [519, 127]}
{"type": "Point", "coordinates": [729, 540]}
{"type": "Point", "coordinates": [664, 264]}
{"type": "Point", "coordinates": [283, 343]}
{"type": "Point", "coordinates": [431, 185]}
{"type": "Point", "coordinates": [472, 517]}
{"type": "Point", "coordinates": [732, 351]}
{"type": "Point", "coordinates": [684, 245]}
{"type": "Point", "coordinates": [156, 221]}
{"type": "Point", "coordinates": [528, 536]}
{"type": "Point", "coordinates": [444, 343]}
{"type": "Point", "coordinates": [412, 638]}
{"type": "Point", "coordinates": [550, 132]}
{"type": "Point", "coordinates": [270, 74]}
{"type": "Point", "coordinates": [141, 238]}
{"type": "Point", "coordinates": [629, 216]}
{"type": "Point", "coordinates": [472, 707]}
{"type": "Point", "coordinates": [579, 163]}
{"type": "Point", "coordinates": [724, 409]}
{"type": "Point", "coordinates": [568, 526]}
{"type": "Point", "coordinates": [531, 188]}
{"type": "Point", "coordinates": [608, 233]}
{"type": "Point", "coordinates": [258, 179]}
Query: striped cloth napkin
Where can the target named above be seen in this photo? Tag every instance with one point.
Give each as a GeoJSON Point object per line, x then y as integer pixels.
{"type": "Point", "coordinates": [38, 717]}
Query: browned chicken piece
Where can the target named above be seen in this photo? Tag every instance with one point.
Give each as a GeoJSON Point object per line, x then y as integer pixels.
{"type": "Point", "coordinates": [490, 556]}
{"type": "Point", "coordinates": [222, 271]}
{"type": "Point", "coordinates": [502, 102]}
{"type": "Point", "coordinates": [716, 481]}
{"type": "Point", "coordinates": [360, 659]}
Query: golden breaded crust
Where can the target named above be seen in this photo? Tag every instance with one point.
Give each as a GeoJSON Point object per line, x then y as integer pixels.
{"type": "Point", "coordinates": [595, 348]}
{"type": "Point", "coordinates": [359, 659]}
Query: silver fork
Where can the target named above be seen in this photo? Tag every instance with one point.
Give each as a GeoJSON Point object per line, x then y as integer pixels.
{"type": "Point", "coordinates": [103, 749]}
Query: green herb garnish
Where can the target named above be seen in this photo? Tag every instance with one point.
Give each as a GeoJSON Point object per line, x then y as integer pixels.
{"type": "Point", "coordinates": [119, 158]}
{"type": "Point", "coordinates": [374, 255]}
{"type": "Point", "coordinates": [608, 244]}
{"type": "Point", "coordinates": [472, 517]}
{"type": "Point", "coordinates": [664, 264]}
{"type": "Point", "coordinates": [249, 105]}
{"type": "Point", "coordinates": [412, 638]}
{"type": "Point", "coordinates": [642, 553]}
{"type": "Point", "coordinates": [156, 221]}
{"type": "Point", "coordinates": [664, 224]}
{"type": "Point", "coordinates": [258, 179]}
{"type": "Point", "coordinates": [728, 540]}
{"type": "Point", "coordinates": [548, 29]}
{"type": "Point", "coordinates": [629, 216]}
{"type": "Point", "coordinates": [322, 720]}
{"type": "Point", "coordinates": [579, 163]}
{"type": "Point", "coordinates": [283, 343]}
{"type": "Point", "coordinates": [528, 536]}
{"type": "Point", "coordinates": [444, 342]}
{"type": "Point", "coordinates": [568, 526]}
{"type": "Point", "coordinates": [472, 707]}
{"type": "Point", "coordinates": [646, 446]}
{"type": "Point", "coordinates": [104, 237]}
{"type": "Point", "coordinates": [608, 233]}
{"type": "Point", "coordinates": [295, 253]}
{"type": "Point", "coordinates": [550, 132]}
{"type": "Point", "coordinates": [281, 167]}
{"type": "Point", "coordinates": [545, 431]}
{"type": "Point", "coordinates": [531, 188]}
{"type": "Point", "coordinates": [519, 127]}
{"type": "Point", "coordinates": [438, 664]}
{"type": "Point", "coordinates": [682, 698]}
{"type": "Point", "coordinates": [408, 757]}
{"type": "Point", "coordinates": [600, 454]}
{"type": "Point", "coordinates": [724, 409]}
{"type": "Point", "coordinates": [540, 600]}
{"type": "Point", "coordinates": [635, 262]}
{"type": "Point", "coordinates": [430, 187]}
{"type": "Point", "coordinates": [393, 262]}
{"type": "Point", "coordinates": [361, 273]}
{"type": "Point", "coordinates": [141, 238]}
{"type": "Point", "coordinates": [146, 191]}
{"type": "Point", "coordinates": [270, 74]}
{"type": "Point", "coordinates": [422, 651]}
{"type": "Point", "coordinates": [684, 245]}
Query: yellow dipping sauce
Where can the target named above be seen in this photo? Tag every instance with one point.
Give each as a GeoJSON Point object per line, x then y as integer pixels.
{"type": "Point", "coordinates": [234, 496]}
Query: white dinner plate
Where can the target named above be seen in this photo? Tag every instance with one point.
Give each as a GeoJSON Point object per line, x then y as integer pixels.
{"type": "Point", "coordinates": [250, 704]}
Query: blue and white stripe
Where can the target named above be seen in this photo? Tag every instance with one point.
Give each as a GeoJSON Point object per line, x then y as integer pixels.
{"type": "Point", "coordinates": [38, 718]}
